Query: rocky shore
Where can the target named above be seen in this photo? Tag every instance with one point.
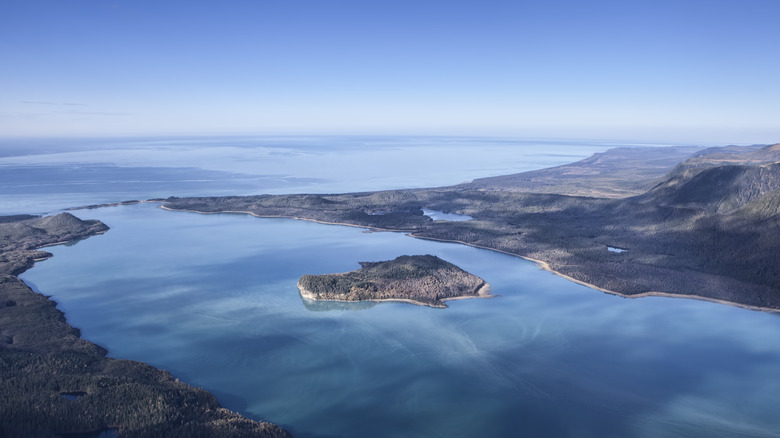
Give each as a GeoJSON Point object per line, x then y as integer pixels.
{"type": "Point", "coordinates": [420, 279]}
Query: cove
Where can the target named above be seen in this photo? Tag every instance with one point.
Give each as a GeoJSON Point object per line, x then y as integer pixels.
{"type": "Point", "coordinates": [213, 299]}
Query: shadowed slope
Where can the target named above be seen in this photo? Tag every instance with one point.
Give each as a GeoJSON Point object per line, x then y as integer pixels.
{"type": "Point", "coordinates": [721, 189]}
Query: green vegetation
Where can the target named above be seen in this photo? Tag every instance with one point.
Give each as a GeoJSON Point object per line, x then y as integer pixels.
{"type": "Point", "coordinates": [42, 357]}
{"type": "Point", "coordinates": [424, 279]}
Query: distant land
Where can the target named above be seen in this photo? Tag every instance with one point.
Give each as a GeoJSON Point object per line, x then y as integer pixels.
{"type": "Point", "coordinates": [700, 223]}
{"type": "Point", "coordinates": [419, 279]}
{"type": "Point", "coordinates": [616, 173]}
{"type": "Point", "coordinates": [705, 227]}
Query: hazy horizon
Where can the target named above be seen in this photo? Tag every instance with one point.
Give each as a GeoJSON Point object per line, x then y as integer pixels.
{"type": "Point", "coordinates": [687, 72]}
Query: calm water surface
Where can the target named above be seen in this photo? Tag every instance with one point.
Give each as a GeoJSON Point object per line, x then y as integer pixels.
{"type": "Point", "coordinates": [41, 176]}
{"type": "Point", "coordinates": [213, 299]}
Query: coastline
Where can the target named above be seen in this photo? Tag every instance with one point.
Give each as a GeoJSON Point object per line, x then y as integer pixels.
{"type": "Point", "coordinates": [595, 269]}
{"type": "Point", "coordinates": [64, 242]}
{"type": "Point", "coordinates": [545, 266]}
{"type": "Point", "coordinates": [45, 357]}
{"type": "Point", "coordinates": [271, 216]}
{"type": "Point", "coordinates": [115, 204]}
{"type": "Point", "coordinates": [482, 292]}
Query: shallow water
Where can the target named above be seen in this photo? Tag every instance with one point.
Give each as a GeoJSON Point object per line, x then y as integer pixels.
{"type": "Point", "coordinates": [213, 298]}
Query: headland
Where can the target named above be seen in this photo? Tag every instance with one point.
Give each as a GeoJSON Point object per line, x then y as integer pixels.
{"type": "Point", "coordinates": [707, 227]}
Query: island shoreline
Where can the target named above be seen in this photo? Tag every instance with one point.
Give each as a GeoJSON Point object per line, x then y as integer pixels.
{"type": "Point", "coordinates": [545, 266]}
{"type": "Point", "coordinates": [482, 292]}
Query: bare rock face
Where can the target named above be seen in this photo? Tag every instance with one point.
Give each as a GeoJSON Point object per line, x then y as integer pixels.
{"type": "Point", "coordinates": [422, 279]}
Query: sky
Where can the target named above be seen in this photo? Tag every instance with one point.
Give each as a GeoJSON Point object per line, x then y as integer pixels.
{"type": "Point", "coordinates": [663, 70]}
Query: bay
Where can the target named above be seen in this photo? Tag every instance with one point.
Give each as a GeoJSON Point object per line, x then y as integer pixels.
{"type": "Point", "coordinates": [213, 299]}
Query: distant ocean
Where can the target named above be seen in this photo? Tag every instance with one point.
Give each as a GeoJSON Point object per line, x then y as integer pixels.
{"type": "Point", "coordinates": [213, 299]}
{"type": "Point", "coordinates": [39, 176]}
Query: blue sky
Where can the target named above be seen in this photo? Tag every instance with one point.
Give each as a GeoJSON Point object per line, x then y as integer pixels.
{"type": "Point", "coordinates": [681, 70]}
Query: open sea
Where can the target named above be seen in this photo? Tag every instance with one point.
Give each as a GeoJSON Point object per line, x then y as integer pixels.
{"type": "Point", "coordinates": [213, 299]}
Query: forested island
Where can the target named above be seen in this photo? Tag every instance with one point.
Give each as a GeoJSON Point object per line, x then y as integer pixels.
{"type": "Point", "coordinates": [699, 223]}
{"type": "Point", "coordinates": [420, 279]}
{"type": "Point", "coordinates": [706, 226]}
{"type": "Point", "coordinates": [53, 383]}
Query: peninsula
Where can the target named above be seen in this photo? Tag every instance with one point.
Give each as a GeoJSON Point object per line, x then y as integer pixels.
{"type": "Point", "coordinates": [688, 222]}
{"type": "Point", "coordinates": [420, 279]}
{"type": "Point", "coordinates": [706, 226]}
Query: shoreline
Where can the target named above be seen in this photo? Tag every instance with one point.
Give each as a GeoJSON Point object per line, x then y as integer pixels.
{"type": "Point", "coordinates": [540, 263]}
{"type": "Point", "coordinates": [39, 331]}
{"type": "Point", "coordinates": [114, 204]}
{"type": "Point", "coordinates": [306, 295]}
{"type": "Point", "coordinates": [65, 242]}
{"type": "Point", "coordinates": [271, 216]}
{"type": "Point", "coordinates": [400, 300]}
{"type": "Point", "coordinates": [546, 267]}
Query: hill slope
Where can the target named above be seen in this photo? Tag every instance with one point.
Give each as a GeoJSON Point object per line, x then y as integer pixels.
{"type": "Point", "coordinates": [721, 189]}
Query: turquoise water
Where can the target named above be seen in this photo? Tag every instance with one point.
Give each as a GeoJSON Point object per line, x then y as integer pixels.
{"type": "Point", "coordinates": [213, 299]}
